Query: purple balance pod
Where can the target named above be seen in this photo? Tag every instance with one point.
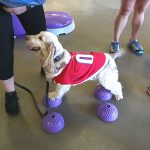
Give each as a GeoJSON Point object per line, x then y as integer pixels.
{"type": "Point", "coordinates": [19, 31]}
{"type": "Point", "coordinates": [102, 94]}
{"type": "Point", "coordinates": [107, 112]}
{"type": "Point", "coordinates": [53, 122]}
{"type": "Point", "coordinates": [52, 103]}
{"type": "Point", "coordinates": [59, 22]}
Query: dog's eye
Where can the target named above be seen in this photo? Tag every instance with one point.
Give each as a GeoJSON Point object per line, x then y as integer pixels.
{"type": "Point", "coordinates": [40, 38]}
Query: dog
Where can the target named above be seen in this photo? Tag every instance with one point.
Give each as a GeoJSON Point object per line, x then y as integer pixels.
{"type": "Point", "coordinates": [72, 68]}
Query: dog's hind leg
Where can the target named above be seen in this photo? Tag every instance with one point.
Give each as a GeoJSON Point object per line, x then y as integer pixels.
{"type": "Point", "coordinates": [117, 90]}
{"type": "Point", "coordinates": [59, 92]}
{"type": "Point", "coordinates": [109, 80]}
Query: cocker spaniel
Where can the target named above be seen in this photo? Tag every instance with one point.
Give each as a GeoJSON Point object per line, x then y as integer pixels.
{"type": "Point", "coordinates": [72, 68]}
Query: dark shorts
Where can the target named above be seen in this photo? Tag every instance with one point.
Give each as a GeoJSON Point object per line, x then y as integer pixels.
{"type": "Point", "coordinates": [33, 22]}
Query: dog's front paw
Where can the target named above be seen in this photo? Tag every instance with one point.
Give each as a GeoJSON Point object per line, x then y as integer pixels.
{"type": "Point", "coordinates": [52, 96]}
{"type": "Point", "coordinates": [119, 97]}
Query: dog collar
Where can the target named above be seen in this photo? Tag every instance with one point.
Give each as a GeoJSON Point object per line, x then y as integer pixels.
{"type": "Point", "coordinates": [56, 59]}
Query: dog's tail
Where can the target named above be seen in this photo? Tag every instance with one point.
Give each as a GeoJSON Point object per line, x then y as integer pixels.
{"type": "Point", "coordinates": [118, 54]}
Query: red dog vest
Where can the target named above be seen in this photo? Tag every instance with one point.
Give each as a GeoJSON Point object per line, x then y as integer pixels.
{"type": "Point", "coordinates": [81, 67]}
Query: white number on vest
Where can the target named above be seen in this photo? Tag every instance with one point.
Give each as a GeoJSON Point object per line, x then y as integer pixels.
{"type": "Point", "coordinates": [86, 59]}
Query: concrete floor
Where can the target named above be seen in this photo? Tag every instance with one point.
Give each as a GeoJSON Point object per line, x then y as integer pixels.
{"type": "Point", "coordinates": [83, 130]}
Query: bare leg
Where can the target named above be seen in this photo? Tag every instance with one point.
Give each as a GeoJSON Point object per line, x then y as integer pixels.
{"type": "Point", "coordinates": [138, 17]}
{"type": "Point", "coordinates": [8, 84]}
{"type": "Point", "coordinates": [122, 18]}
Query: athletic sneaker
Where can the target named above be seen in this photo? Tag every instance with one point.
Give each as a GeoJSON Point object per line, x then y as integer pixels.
{"type": "Point", "coordinates": [136, 47]}
{"type": "Point", "coordinates": [114, 47]}
{"type": "Point", "coordinates": [11, 103]}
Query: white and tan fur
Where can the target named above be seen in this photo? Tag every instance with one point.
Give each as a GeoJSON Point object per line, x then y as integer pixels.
{"type": "Point", "coordinates": [48, 48]}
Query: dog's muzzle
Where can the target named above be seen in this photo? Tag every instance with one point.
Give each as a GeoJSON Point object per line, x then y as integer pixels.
{"type": "Point", "coordinates": [34, 48]}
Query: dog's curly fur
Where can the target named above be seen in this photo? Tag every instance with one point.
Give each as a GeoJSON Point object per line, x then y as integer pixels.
{"type": "Point", "coordinates": [48, 48]}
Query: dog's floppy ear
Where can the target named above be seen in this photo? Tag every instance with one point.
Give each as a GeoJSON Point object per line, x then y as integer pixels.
{"type": "Point", "coordinates": [49, 60]}
{"type": "Point", "coordinates": [45, 52]}
{"type": "Point", "coordinates": [50, 47]}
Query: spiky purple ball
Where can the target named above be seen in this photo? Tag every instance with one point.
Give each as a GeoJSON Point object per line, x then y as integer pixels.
{"type": "Point", "coordinates": [53, 103]}
{"type": "Point", "coordinates": [53, 122]}
{"type": "Point", "coordinates": [107, 112]}
{"type": "Point", "coordinates": [102, 94]}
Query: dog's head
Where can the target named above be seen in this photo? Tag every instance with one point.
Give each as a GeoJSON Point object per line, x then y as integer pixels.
{"type": "Point", "coordinates": [42, 42]}
{"type": "Point", "coordinates": [52, 56]}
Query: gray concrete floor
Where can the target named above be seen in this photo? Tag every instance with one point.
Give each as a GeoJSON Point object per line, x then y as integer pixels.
{"type": "Point", "coordinates": [83, 130]}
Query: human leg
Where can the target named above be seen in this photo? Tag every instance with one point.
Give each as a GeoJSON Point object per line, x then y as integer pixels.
{"type": "Point", "coordinates": [6, 62]}
{"type": "Point", "coordinates": [138, 17]}
{"type": "Point", "coordinates": [137, 21]}
{"type": "Point", "coordinates": [120, 22]}
{"type": "Point", "coordinates": [34, 22]}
